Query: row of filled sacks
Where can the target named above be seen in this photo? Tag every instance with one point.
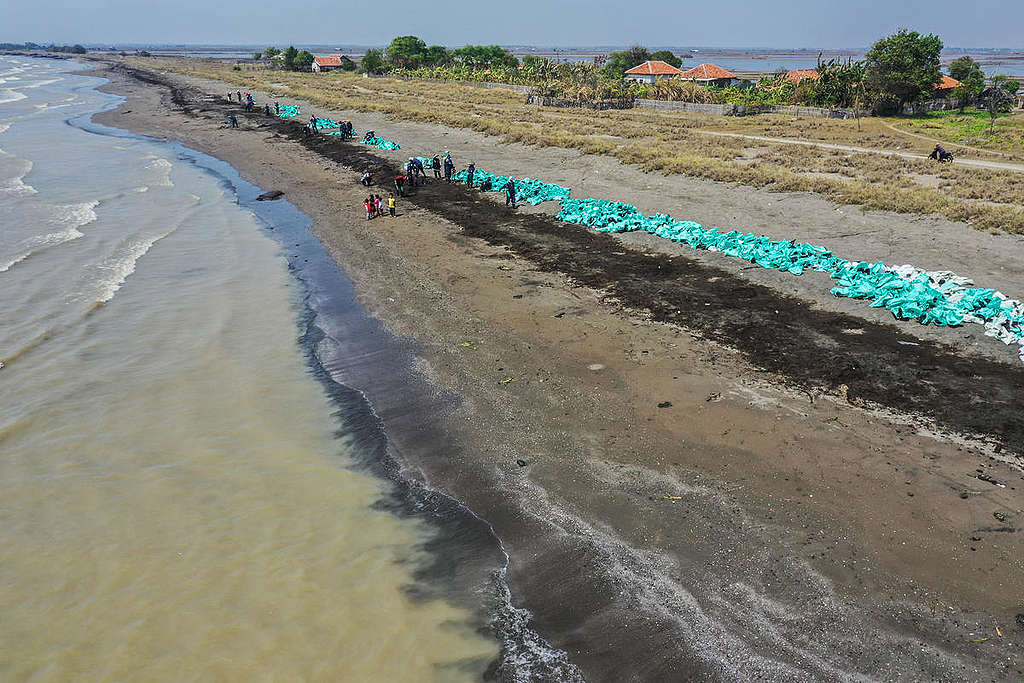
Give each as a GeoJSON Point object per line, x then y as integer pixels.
{"type": "Point", "coordinates": [319, 123]}
{"type": "Point", "coordinates": [939, 298]}
{"type": "Point", "coordinates": [380, 143]}
{"type": "Point", "coordinates": [527, 189]}
{"type": "Point", "coordinates": [286, 111]}
{"type": "Point", "coordinates": [1001, 316]}
{"type": "Point", "coordinates": [610, 216]}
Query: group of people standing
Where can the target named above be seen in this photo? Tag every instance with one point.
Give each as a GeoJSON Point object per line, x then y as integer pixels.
{"type": "Point", "coordinates": [414, 169]}
{"type": "Point", "coordinates": [375, 205]}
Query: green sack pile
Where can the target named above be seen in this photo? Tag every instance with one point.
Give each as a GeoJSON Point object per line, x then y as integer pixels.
{"type": "Point", "coordinates": [527, 190]}
{"type": "Point", "coordinates": [381, 143]}
{"type": "Point", "coordinates": [287, 111]}
{"type": "Point", "coordinates": [324, 123]}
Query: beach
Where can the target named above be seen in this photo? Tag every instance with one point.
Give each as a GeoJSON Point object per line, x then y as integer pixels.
{"type": "Point", "coordinates": [678, 495]}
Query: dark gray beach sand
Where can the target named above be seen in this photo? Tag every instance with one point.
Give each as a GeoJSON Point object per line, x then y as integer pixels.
{"type": "Point", "coordinates": [700, 472]}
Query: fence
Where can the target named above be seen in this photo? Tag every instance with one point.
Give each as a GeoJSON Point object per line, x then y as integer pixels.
{"type": "Point", "coordinates": [577, 104]}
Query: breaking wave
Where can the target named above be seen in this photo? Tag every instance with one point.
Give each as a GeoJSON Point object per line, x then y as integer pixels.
{"type": "Point", "coordinates": [8, 95]}
{"type": "Point", "coordinates": [121, 264]}
{"type": "Point", "coordinates": [163, 167]}
{"type": "Point", "coordinates": [70, 217]}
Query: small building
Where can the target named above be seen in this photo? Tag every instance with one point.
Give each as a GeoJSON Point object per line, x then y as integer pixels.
{"type": "Point", "coordinates": [709, 74]}
{"type": "Point", "coordinates": [795, 77]}
{"type": "Point", "coordinates": [328, 63]}
{"type": "Point", "coordinates": [652, 71]}
{"type": "Point", "coordinates": [946, 86]}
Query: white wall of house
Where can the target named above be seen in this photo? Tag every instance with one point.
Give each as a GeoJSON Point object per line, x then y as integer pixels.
{"type": "Point", "coordinates": [648, 78]}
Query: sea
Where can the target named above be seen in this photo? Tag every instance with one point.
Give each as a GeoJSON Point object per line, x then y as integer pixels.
{"type": "Point", "coordinates": [187, 490]}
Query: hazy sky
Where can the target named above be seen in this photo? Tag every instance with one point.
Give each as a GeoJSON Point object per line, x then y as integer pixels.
{"type": "Point", "coordinates": [740, 23]}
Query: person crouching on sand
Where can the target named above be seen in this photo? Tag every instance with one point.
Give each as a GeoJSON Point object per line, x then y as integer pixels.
{"type": "Point", "coordinates": [234, 120]}
{"type": "Point", "coordinates": [400, 184]}
{"type": "Point", "coordinates": [391, 204]}
{"type": "Point", "coordinates": [367, 179]}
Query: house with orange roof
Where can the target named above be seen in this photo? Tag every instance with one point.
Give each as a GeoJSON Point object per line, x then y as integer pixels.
{"type": "Point", "coordinates": [946, 86]}
{"type": "Point", "coordinates": [652, 71]}
{"type": "Point", "coordinates": [709, 74]}
{"type": "Point", "coordinates": [795, 77]}
{"type": "Point", "coordinates": [328, 63]}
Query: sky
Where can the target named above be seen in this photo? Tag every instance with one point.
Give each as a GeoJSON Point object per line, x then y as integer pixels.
{"type": "Point", "coordinates": [740, 23]}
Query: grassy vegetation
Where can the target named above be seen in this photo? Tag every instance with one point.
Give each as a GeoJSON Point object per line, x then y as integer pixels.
{"type": "Point", "coordinates": [674, 142]}
{"type": "Point", "coordinates": [973, 128]}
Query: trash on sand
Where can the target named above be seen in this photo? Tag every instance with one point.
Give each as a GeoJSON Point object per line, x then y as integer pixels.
{"type": "Point", "coordinates": [985, 477]}
{"type": "Point", "coordinates": [979, 640]}
{"type": "Point", "coordinates": [521, 462]}
{"type": "Point", "coordinates": [665, 404]}
{"type": "Point", "coordinates": [469, 344]}
{"type": "Point", "coordinates": [714, 396]}
{"type": "Point", "coordinates": [668, 497]}
{"type": "Point", "coordinates": [270, 196]}
{"type": "Point", "coordinates": [509, 380]}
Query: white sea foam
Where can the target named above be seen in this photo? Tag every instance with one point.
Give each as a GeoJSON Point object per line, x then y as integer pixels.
{"type": "Point", "coordinates": [121, 264]}
{"type": "Point", "coordinates": [36, 244]}
{"type": "Point", "coordinates": [15, 186]}
{"type": "Point", "coordinates": [140, 189]}
{"type": "Point", "coordinates": [8, 95]}
{"type": "Point", "coordinates": [69, 217]}
{"type": "Point", "coordinates": [39, 84]}
{"type": "Point", "coordinates": [4, 127]}
{"type": "Point", "coordinates": [163, 167]}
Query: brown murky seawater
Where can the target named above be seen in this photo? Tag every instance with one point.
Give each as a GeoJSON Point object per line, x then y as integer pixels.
{"type": "Point", "coordinates": [174, 501]}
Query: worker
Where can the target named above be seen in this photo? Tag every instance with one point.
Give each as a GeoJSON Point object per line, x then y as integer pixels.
{"type": "Point", "coordinates": [435, 163]}
{"type": "Point", "coordinates": [470, 170]}
{"type": "Point", "coordinates": [233, 120]}
{"type": "Point", "coordinates": [400, 184]}
{"type": "Point", "coordinates": [510, 193]}
{"type": "Point", "coordinates": [449, 168]}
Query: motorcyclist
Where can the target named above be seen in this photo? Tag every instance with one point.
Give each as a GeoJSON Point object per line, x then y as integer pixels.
{"type": "Point", "coordinates": [939, 153]}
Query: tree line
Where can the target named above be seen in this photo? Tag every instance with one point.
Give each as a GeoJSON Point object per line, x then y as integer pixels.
{"type": "Point", "coordinates": [75, 49]}
{"type": "Point", "coordinates": [899, 69]}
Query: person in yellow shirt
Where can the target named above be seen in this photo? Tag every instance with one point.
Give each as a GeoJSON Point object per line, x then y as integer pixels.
{"type": "Point", "coordinates": [391, 204]}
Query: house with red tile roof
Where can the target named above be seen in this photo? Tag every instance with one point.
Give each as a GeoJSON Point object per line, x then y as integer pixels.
{"type": "Point", "coordinates": [328, 63]}
{"type": "Point", "coordinates": [946, 86]}
{"type": "Point", "coordinates": [652, 71]}
{"type": "Point", "coordinates": [795, 77]}
{"type": "Point", "coordinates": [709, 74]}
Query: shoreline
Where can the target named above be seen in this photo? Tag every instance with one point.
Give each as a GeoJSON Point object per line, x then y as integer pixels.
{"type": "Point", "coordinates": [539, 509]}
{"type": "Point", "coordinates": [328, 301]}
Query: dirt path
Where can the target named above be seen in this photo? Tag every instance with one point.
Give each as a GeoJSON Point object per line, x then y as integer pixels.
{"type": "Point", "coordinates": [944, 142]}
{"type": "Point", "coordinates": [978, 163]}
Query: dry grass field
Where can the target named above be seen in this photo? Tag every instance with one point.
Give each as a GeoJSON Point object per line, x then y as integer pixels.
{"type": "Point", "coordinates": [671, 142]}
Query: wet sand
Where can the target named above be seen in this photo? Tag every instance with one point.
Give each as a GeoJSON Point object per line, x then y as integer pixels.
{"type": "Point", "coordinates": [777, 529]}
